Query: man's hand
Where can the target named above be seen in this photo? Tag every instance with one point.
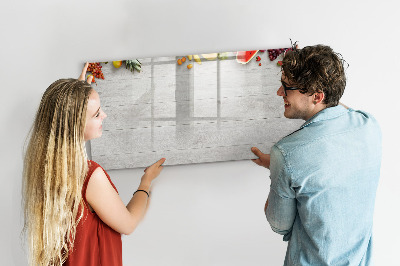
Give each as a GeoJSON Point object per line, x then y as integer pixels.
{"type": "Point", "coordinates": [263, 159]}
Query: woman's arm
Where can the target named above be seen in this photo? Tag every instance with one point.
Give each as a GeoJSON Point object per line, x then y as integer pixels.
{"type": "Point", "coordinates": [108, 205]}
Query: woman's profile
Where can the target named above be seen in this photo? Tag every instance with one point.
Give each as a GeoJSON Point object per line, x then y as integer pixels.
{"type": "Point", "coordinates": [73, 213]}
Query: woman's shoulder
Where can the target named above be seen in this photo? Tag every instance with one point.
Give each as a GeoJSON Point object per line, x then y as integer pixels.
{"type": "Point", "coordinates": [92, 166]}
{"type": "Point", "coordinates": [99, 171]}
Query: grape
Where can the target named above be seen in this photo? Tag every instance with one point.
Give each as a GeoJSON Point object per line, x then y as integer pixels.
{"type": "Point", "coordinates": [95, 68]}
{"type": "Point", "coordinates": [274, 53]}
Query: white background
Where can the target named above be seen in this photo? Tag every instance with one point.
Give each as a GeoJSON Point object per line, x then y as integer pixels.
{"type": "Point", "coordinates": [206, 214]}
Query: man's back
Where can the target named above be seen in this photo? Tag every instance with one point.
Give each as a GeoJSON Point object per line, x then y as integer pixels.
{"type": "Point", "coordinates": [328, 171]}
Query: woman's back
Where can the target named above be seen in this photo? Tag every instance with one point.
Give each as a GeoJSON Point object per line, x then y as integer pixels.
{"type": "Point", "coordinates": [95, 242]}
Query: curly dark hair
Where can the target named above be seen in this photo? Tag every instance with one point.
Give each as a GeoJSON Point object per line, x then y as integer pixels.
{"type": "Point", "coordinates": [316, 69]}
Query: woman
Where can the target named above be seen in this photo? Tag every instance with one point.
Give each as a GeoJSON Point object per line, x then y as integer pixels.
{"type": "Point", "coordinates": [73, 213]}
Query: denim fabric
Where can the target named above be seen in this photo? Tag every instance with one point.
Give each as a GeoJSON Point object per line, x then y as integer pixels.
{"type": "Point", "coordinates": [324, 178]}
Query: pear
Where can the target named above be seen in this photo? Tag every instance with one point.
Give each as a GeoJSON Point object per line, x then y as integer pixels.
{"type": "Point", "coordinates": [197, 59]}
{"type": "Point", "coordinates": [223, 56]}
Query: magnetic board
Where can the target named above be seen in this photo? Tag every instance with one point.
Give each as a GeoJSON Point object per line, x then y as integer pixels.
{"type": "Point", "coordinates": [214, 110]}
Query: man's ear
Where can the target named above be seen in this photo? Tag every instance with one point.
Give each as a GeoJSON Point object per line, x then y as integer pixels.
{"type": "Point", "coordinates": [318, 97]}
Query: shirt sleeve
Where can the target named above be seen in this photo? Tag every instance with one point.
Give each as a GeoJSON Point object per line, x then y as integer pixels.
{"type": "Point", "coordinates": [281, 210]}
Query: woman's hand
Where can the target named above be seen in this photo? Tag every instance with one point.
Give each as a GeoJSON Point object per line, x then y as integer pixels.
{"type": "Point", "coordinates": [83, 74]}
{"type": "Point", "coordinates": [151, 172]}
{"type": "Point", "coordinates": [108, 205]}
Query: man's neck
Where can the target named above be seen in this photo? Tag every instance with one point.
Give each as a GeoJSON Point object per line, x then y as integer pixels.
{"type": "Point", "coordinates": [318, 108]}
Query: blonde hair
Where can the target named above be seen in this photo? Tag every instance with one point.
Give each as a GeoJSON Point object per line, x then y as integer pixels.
{"type": "Point", "coordinates": [55, 167]}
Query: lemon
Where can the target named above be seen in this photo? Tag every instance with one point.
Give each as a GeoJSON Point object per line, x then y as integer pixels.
{"type": "Point", "coordinates": [117, 64]}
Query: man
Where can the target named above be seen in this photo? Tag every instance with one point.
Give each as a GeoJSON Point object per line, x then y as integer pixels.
{"type": "Point", "coordinates": [325, 174]}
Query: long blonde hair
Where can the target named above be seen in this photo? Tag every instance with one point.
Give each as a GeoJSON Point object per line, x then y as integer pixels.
{"type": "Point", "coordinates": [55, 167]}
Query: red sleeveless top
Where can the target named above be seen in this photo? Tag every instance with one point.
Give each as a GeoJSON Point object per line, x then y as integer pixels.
{"type": "Point", "coordinates": [95, 242]}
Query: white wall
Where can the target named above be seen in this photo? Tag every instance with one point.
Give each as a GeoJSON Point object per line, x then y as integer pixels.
{"type": "Point", "coordinates": [206, 214]}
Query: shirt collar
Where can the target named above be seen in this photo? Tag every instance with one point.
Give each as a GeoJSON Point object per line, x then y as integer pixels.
{"type": "Point", "coordinates": [325, 114]}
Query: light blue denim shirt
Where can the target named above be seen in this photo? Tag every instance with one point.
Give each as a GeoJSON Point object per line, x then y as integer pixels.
{"type": "Point", "coordinates": [324, 178]}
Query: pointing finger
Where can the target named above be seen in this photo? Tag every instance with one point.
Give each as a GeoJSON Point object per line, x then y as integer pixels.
{"type": "Point", "coordinates": [160, 162]}
{"type": "Point", "coordinates": [256, 151]}
{"type": "Point", "coordinates": [83, 74]}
